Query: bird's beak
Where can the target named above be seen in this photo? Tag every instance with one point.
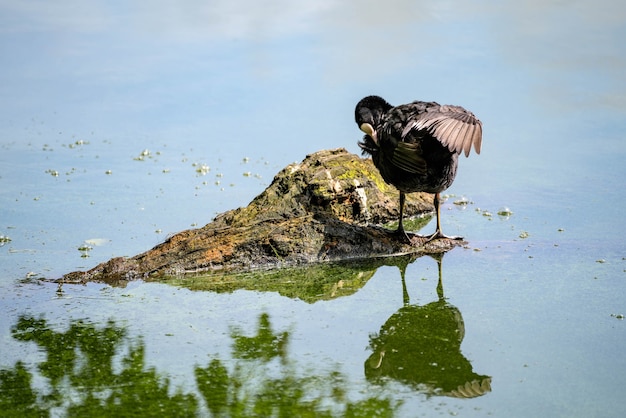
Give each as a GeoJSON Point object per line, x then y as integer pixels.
{"type": "Point", "coordinates": [369, 129]}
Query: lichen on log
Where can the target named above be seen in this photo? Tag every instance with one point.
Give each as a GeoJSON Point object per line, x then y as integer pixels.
{"type": "Point", "coordinates": [329, 207]}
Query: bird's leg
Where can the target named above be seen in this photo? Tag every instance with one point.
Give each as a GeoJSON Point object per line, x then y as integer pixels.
{"type": "Point", "coordinates": [439, 258]}
{"type": "Point", "coordinates": [400, 229]}
{"type": "Point", "coordinates": [405, 294]}
{"type": "Point", "coordinates": [438, 233]}
{"type": "Point", "coordinates": [400, 232]}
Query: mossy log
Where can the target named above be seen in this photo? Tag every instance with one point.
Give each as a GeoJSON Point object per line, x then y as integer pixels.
{"type": "Point", "coordinates": [329, 207]}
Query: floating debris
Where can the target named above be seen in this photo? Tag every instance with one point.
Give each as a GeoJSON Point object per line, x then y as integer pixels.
{"type": "Point", "coordinates": [97, 242]}
{"type": "Point", "coordinates": [4, 239]}
{"type": "Point", "coordinates": [618, 316]}
{"type": "Point", "coordinates": [84, 249]}
{"type": "Point", "coordinates": [143, 155]}
{"type": "Point", "coordinates": [505, 212]}
{"type": "Point", "coordinates": [78, 143]}
{"type": "Point", "coordinates": [247, 174]}
{"type": "Point", "coordinates": [31, 277]}
{"type": "Point", "coordinates": [601, 261]}
{"type": "Point", "coordinates": [202, 169]}
{"type": "Point", "coordinates": [53, 173]}
{"type": "Point", "coordinates": [246, 160]}
{"type": "Point", "coordinates": [108, 172]}
{"type": "Point", "coordinates": [462, 201]}
{"type": "Point", "coordinates": [484, 212]}
{"type": "Point", "coordinates": [524, 235]}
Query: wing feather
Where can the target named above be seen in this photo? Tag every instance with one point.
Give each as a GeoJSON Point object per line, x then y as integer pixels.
{"type": "Point", "coordinates": [409, 158]}
{"type": "Point", "coordinates": [477, 138]}
{"type": "Point", "coordinates": [453, 126]}
{"type": "Point", "coordinates": [449, 132]}
{"type": "Point", "coordinates": [466, 135]}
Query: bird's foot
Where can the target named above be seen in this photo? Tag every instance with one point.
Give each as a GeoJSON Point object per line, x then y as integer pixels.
{"type": "Point", "coordinates": [439, 235]}
{"type": "Point", "coordinates": [413, 239]}
{"type": "Point", "coordinates": [403, 236]}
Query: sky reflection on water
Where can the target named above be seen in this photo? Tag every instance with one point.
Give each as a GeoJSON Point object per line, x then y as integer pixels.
{"type": "Point", "coordinates": [198, 84]}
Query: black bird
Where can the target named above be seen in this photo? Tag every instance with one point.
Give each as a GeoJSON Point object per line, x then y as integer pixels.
{"type": "Point", "coordinates": [416, 146]}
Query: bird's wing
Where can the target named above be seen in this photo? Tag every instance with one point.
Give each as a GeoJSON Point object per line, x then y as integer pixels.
{"type": "Point", "coordinates": [453, 126]}
{"type": "Point", "coordinates": [408, 157]}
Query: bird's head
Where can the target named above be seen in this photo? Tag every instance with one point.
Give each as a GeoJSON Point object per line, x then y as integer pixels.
{"type": "Point", "coordinates": [369, 113]}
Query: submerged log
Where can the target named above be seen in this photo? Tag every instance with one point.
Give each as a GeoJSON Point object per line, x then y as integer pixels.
{"type": "Point", "coordinates": [327, 208]}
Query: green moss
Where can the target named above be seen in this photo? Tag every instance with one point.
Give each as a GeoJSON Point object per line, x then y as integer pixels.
{"type": "Point", "coordinates": [358, 169]}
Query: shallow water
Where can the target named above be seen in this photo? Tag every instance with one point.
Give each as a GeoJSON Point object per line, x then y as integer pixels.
{"type": "Point", "coordinates": [120, 126]}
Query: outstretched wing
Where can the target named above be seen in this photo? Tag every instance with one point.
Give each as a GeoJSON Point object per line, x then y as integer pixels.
{"type": "Point", "coordinates": [455, 127]}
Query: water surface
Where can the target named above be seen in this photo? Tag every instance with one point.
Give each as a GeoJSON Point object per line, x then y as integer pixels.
{"type": "Point", "coordinates": [121, 125]}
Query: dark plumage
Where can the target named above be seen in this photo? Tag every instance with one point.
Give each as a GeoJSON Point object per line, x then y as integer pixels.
{"type": "Point", "coordinates": [416, 146]}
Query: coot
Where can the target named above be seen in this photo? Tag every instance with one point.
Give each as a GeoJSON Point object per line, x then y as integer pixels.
{"type": "Point", "coordinates": [416, 146]}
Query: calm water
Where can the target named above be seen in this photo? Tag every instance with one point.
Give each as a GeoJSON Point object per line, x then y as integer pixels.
{"type": "Point", "coordinates": [122, 124]}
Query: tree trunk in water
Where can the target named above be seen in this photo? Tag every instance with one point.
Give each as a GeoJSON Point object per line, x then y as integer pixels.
{"type": "Point", "coordinates": [327, 208]}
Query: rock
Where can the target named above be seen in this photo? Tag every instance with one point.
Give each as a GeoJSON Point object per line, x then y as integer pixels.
{"type": "Point", "coordinates": [326, 208]}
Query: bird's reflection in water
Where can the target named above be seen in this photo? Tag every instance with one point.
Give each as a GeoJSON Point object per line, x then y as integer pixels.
{"type": "Point", "coordinates": [420, 346]}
